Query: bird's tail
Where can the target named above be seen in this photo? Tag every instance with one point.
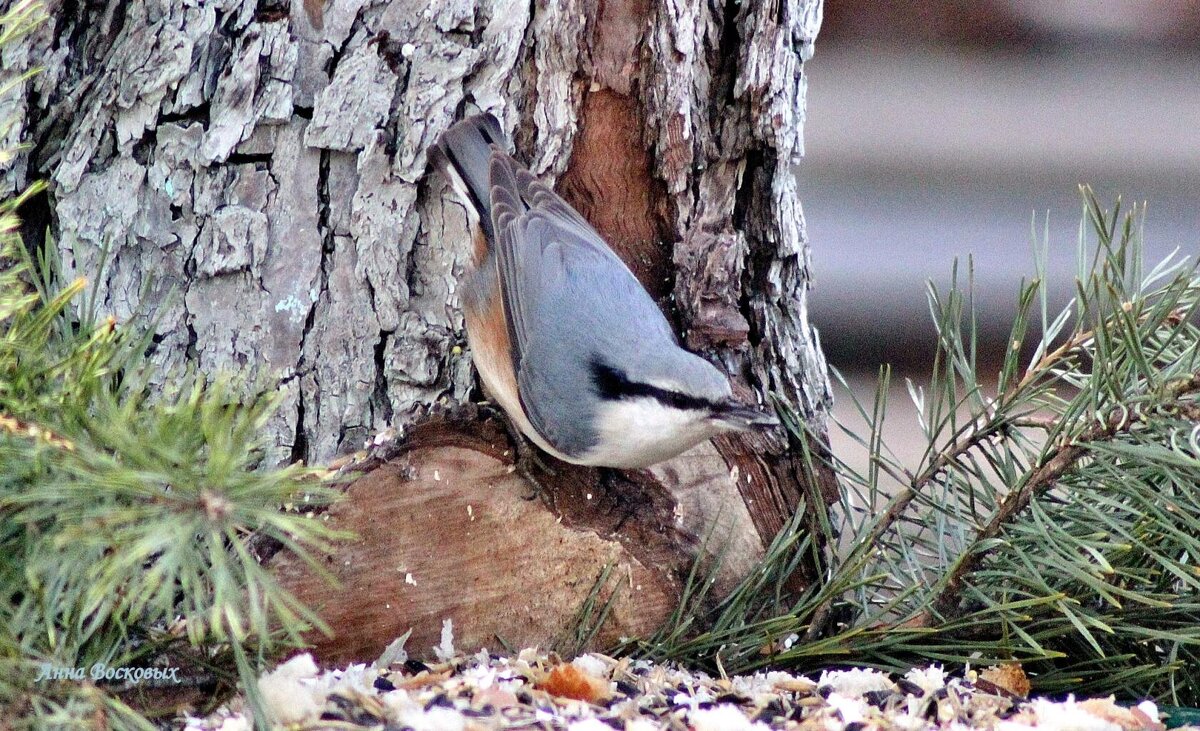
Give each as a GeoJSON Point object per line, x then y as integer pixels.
{"type": "Point", "coordinates": [463, 153]}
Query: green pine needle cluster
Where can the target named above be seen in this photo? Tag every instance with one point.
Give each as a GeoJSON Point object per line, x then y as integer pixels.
{"type": "Point", "coordinates": [1054, 518]}
{"type": "Point", "coordinates": [125, 507]}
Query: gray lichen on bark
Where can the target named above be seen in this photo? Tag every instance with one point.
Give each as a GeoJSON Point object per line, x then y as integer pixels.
{"type": "Point", "coordinates": [261, 170]}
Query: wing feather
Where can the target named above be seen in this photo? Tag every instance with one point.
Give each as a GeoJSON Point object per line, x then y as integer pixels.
{"type": "Point", "coordinates": [538, 237]}
{"type": "Point", "coordinates": [556, 275]}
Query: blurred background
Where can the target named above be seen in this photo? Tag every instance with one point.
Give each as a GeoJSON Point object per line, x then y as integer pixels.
{"type": "Point", "coordinates": [945, 128]}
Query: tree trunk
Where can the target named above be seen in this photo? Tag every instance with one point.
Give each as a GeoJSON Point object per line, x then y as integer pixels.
{"type": "Point", "coordinates": [257, 174]}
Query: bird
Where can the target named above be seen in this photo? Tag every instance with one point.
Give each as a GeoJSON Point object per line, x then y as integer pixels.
{"type": "Point", "coordinates": [565, 338]}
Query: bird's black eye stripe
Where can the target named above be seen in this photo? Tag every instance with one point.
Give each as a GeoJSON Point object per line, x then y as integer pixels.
{"type": "Point", "coordinates": [612, 384]}
{"type": "Point", "coordinates": [479, 206]}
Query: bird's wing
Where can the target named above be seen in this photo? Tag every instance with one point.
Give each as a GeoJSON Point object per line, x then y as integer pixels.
{"type": "Point", "coordinates": [563, 290]}
{"type": "Point", "coordinates": [542, 244]}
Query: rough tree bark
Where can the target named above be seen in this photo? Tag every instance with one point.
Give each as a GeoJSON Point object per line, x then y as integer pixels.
{"type": "Point", "coordinates": [257, 172]}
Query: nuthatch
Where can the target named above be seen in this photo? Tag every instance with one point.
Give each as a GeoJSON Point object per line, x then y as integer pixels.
{"type": "Point", "coordinates": [565, 338]}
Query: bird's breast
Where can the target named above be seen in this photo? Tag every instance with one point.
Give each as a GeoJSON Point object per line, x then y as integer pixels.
{"type": "Point", "coordinates": [639, 432]}
{"type": "Point", "coordinates": [487, 334]}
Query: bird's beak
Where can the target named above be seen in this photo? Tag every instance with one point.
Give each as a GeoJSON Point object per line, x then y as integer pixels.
{"type": "Point", "coordinates": [736, 415]}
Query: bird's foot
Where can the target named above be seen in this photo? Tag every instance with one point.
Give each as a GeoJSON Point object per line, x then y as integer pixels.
{"type": "Point", "coordinates": [528, 463]}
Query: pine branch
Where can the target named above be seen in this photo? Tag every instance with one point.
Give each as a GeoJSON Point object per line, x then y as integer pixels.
{"type": "Point", "coordinates": [19, 428]}
{"type": "Point", "coordinates": [1055, 524]}
{"type": "Point", "coordinates": [1060, 460]}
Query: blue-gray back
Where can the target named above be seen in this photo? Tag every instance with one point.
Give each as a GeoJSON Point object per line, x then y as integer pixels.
{"type": "Point", "coordinates": [572, 302]}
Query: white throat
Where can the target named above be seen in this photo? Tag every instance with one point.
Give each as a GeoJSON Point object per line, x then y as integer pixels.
{"type": "Point", "coordinates": [639, 432]}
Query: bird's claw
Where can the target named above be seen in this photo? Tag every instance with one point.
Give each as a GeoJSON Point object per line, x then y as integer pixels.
{"type": "Point", "coordinates": [527, 460]}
